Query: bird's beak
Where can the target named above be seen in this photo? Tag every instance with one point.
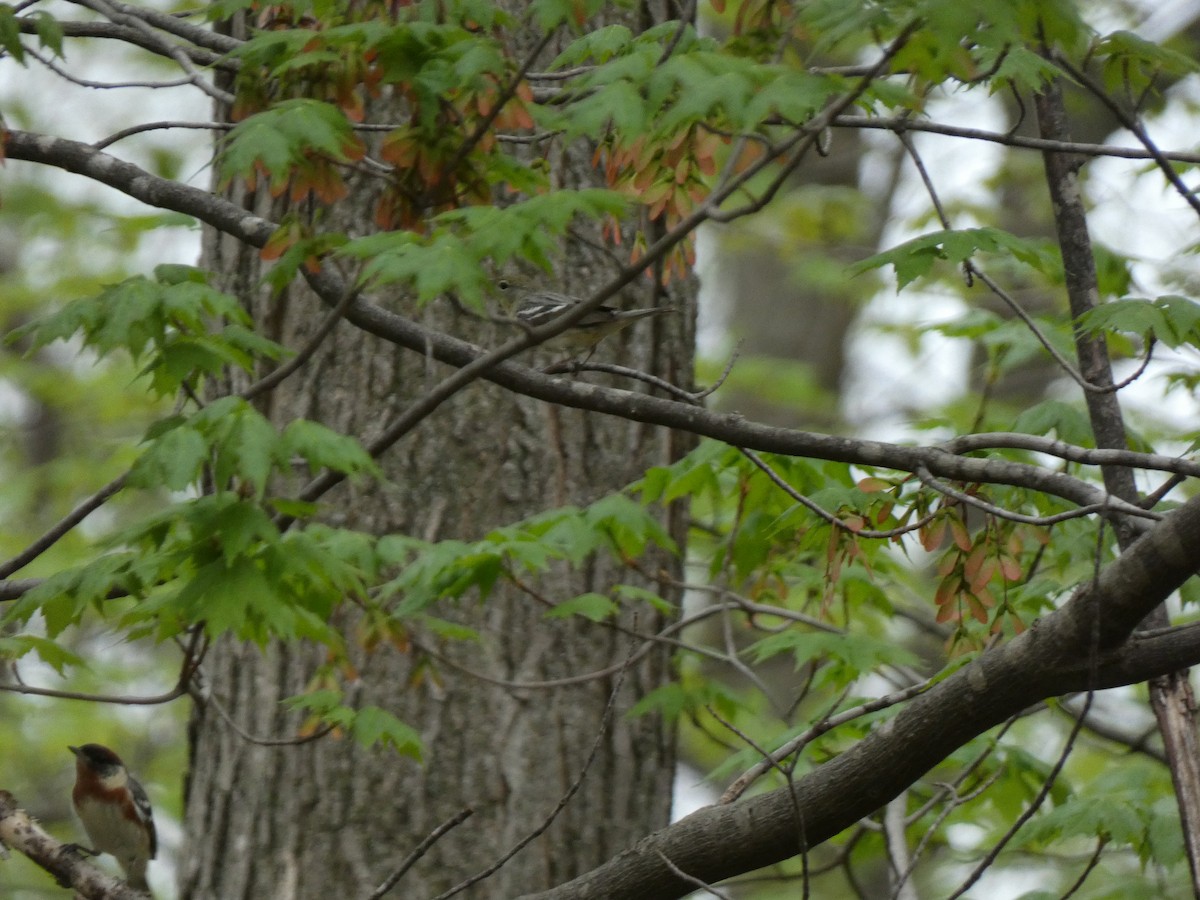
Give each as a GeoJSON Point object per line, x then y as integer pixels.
{"type": "Point", "coordinates": [74, 750]}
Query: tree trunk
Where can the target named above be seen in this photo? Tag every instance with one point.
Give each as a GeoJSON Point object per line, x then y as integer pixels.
{"type": "Point", "coordinates": [328, 818]}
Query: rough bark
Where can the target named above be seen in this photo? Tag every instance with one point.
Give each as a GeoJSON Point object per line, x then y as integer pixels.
{"type": "Point", "coordinates": [329, 818]}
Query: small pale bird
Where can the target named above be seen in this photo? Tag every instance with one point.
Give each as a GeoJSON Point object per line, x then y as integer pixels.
{"type": "Point", "coordinates": [535, 307]}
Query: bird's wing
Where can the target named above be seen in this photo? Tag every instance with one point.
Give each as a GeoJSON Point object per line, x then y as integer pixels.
{"type": "Point", "coordinates": [539, 308]}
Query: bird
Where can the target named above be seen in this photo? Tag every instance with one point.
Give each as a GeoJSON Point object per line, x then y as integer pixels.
{"type": "Point", "coordinates": [534, 307]}
{"type": "Point", "coordinates": [115, 811]}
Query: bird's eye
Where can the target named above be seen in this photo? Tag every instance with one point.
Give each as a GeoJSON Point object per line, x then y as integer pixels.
{"type": "Point", "coordinates": [503, 284]}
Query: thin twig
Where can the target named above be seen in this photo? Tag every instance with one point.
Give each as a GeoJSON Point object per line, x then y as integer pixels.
{"type": "Point", "coordinates": [160, 126]}
{"type": "Point", "coordinates": [192, 656]}
{"type": "Point", "coordinates": [905, 123]}
{"type": "Point", "coordinates": [691, 879]}
{"type": "Point", "coordinates": [332, 317]}
{"type": "Point", "coordinates": [128, 17]}
{"type": "Point", "coordinates": [1029, 811]}
{"type": "Point", "coordinates": [63, 526]}
{"type": "Point", "coordinates": [624, 372]}
{"type": "Point", "coordinates": [828, 516]}
{"type": "Point", "coordinates": [103, 85]}
{"type": "Point", "coordinates": [956, 800]}
{"type": "Point", "coordinates": [605, 721]}
{"type": "Point", "coordinates": [942, 488]}
{"type": "Point", "coordinates": [420, 850]}
{"type": "Point", "coordinates": [1101, 843]}
{"type": "Point", "coordinates": [1019, 311]}
{"type": "Point", "coordinates": [506, 94]}
{"type": "Point", "coordinates": [209, 700]}
{"type": "Point", "coordinates": [772, 760]}
{"type": "Point", "coordinates": [1131, 122]}
{"type": "Point", "coordinates": [1092, 456]}
{"type": "Point", "coordinates": [788, 775]}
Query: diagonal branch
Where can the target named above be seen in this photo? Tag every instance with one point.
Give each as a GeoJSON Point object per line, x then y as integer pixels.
{"type": "Point", "coordinates": [731, 428]}
{"type": "Point", "coordinates": [1170, 696]}
{"type": "Point", "coordinates": [1051, 658]}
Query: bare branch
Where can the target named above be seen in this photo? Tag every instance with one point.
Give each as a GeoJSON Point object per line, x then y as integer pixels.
{"type": "Point", "coordinates": [903, 124]}
{"type": "Point", "coordinates": [63, 527]}
{"type": "Point", "coordinates": [136, 19]}
{"type": "Point", "coordinates": [1029, 811]}
{"type": "Point", "coordinates": [563, 801]}
{"type": "Point", "coordinates": [1001, 513]}
{"type": "Point", "coordinates": [728, 427]}
{"type": "Point", "coordinates": [129, 35]}
{"type": "Point", "coordinates": [771, 760]}
{"type": "Point", "coordinates": [420, 850]}
{"type": "Point", "coordinates": [21, 832]}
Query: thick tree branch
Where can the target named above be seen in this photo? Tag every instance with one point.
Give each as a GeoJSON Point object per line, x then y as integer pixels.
{"type": "Point", "coordinates": [20, 831]}
{"type": "Point", "coordinates": [731, 428]}
{"type": "Point", "coordinates": [130, 35]}
{"type": "Point", "coordinates": [1050, 659]}
{"type": "Point", "coordinates": [1171, 695]}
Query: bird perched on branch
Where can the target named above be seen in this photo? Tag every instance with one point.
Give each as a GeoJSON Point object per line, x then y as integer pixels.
{"type": "Point", "coordinates": [533, 307]}
{"type": "Point", "coordinates": [115, 811]}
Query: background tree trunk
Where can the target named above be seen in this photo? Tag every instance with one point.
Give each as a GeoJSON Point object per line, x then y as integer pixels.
{"type": "Point", "coordinates": [328, 818]}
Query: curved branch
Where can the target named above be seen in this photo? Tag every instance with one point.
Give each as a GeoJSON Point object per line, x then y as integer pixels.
{"type": "Point", "coordinates": [60, 528]}
{"type": "Point", "coordinates": [196, 34]}
{"type": "Point", "coordinates": [902, 124]}
{"type": "Point", "coordinates": [135, 19]}
{"type": "Point", "coordinates": [731, 428]}
{"type": "Point", "coordinates": [1015, 440]}
{"type": "Point", "coordinates": [129, 35]}
{"type": "Point", "coordinates": [21, 831]}
{"type": "Point", "coordinates": [1050, 659]}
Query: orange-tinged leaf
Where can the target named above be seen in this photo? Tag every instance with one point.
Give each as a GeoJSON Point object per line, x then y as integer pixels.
{"type": "Point", "coordinates": [947, 590]}
{"type": "Point", "coordinates": [962, 537]}
{"type": "Point", "coordinates": [974, 561]}
{"type": "Point", "coordinates": [948, 613]}
{"type": "Point", "coordinates": [430, 172]}
{"type": "Point", "coordinates": [399, 150]}
{"type": "Point", "coordinates": [278, 243]}
{"type": "Point", "coordinates": [751, 153]}
{"type": "Point", "coordinates": [644, 178]}
{"type": "Point", "coordinates": [983, 575]}
{"type": "Point", "coordinates": [933, 534]}
{"type": "Point", "coordinates": [351, 103]}
{"type": "Point", "coordinates": [872, 485]}
{"type": "Point", "coordinates": [976, 609]}
{"type": "Point", "coordinates": [353, 149]}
